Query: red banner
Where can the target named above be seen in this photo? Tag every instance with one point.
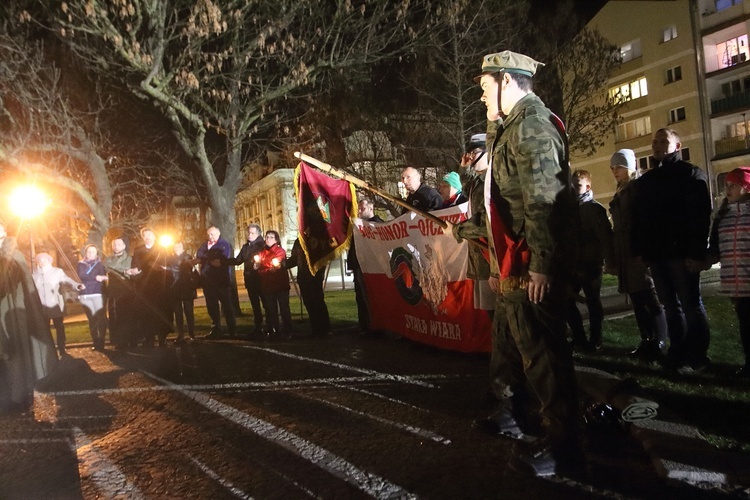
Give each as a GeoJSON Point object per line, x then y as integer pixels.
{"type": "Point", "coordinates": [416, 282]}
{"type": "Point", "coordinates": [325, 207]}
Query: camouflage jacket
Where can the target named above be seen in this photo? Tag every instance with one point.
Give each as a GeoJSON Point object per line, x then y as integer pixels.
{"type": "Point", "coordinates": [535, 201]}
{"type": "Point", "coordinates": [475, 227]}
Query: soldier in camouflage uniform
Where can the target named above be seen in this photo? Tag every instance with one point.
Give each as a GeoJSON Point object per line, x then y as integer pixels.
{"type": "Point", "coordinates": [531, 223]}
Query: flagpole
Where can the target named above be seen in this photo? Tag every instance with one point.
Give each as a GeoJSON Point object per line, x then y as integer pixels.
{"type": "Point", "coordinates": [325, 167]}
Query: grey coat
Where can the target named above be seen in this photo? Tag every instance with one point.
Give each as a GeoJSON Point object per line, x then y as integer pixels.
{"type": "Point", "coordinates": [48, 282]}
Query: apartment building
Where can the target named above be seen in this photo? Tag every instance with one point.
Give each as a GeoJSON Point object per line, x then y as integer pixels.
{"type": "Point", "coordinates": [658, 83]}
{"type": "Point", "coordinates": [686, 66]}
{"type": "Point", "coordinates": [725, 72]}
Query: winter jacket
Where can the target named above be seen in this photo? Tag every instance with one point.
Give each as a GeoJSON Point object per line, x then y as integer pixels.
{"type": "Point", "coordinates": [730, 243]}
{"type": "Point", "coordinates": [530, 189]}
{"type": "Point", "coordinates": [87, 272]}
{"type": "Point", "coordinates": [475, 226]}
{"type": "Point", "coordinates": [273, 278]}
{"type": "Point", "coordinates": [425, 198]}
{"type": "Point", "coordinates": [632, 274]}
{"type": "Point", "coordinates": [213, 276]}
{"type": "Point", "coordinates": [119, 284]}
{"type": "Point", "coordinates": [246, 257]}
{"type": "Point", "coordinates": [594, 237]}
{"type": "Point", "coordinates": [181, 268]}
{"type": "Point", "coordinates": [671, 211]}
{"type": "Point", "coordinates": [48, 281]}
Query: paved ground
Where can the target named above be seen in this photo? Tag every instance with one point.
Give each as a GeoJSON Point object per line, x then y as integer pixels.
{"type": "Point", "coordinates": [343, 417]}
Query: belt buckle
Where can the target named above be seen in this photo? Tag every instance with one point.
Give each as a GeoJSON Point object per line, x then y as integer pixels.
{"type": "Point", "coordinates": [513, 283]}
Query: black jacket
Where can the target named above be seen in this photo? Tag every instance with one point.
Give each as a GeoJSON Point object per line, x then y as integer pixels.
{"type": "Point", "coordinates": [352, 262]}
{"type": "Point", "coordinates": [425, 198]}
{"type": "Point", "coordinates": [247, 253]}
{"type": "Point", "coordinates": [671, 211]}
{"type": "Point", "coordinates": [594, 238]}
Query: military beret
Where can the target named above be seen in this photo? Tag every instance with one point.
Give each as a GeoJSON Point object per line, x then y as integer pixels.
{"type": "Point", "coordinates": [512, 62]}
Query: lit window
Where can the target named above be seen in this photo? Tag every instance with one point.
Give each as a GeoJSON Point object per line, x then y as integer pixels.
{"type": "Point", "coordinates": [732, 51]}
{"type": "Point", "coordinates": [631, 90]}
{"type": "Point", "coordinates": [630, 50]}
{"type": "Point", "coordinates": [634, 128]}
{"type": "Point", "coordinates": [674, 74]}
{"type": "Point", "coordinates": [676, 115]}
{"type": "Point", "coordinates": [669, 33]}
{"type": "Point", "coordinates": [735, 130]}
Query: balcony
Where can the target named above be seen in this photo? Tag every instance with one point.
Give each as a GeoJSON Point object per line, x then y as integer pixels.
{"type": "Point", "coordinates": [731, 147]}
{"type": "Point", "coordinates": [732, 103]}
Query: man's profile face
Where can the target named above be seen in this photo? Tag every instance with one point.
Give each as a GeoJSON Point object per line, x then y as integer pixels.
{"type": "Point", "coordinates": [365, 210]}
{"type": "Point", "coordinates": [253, 233]}
{"type": "Point", "coordinates": [490, 89]}
{"type": "Point", "coordinates": [411, 179]}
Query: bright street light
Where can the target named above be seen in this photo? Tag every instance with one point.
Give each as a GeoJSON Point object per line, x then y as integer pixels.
{"type": "Point", "coordinates": [166, 240]}
{"type": "Point", "coordinates": [28, 201]}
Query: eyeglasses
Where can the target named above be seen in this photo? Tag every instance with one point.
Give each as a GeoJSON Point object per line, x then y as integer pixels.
{"type": "Point", "coordinates": [476, 152]}
{"type": "Point", "coordinates": [270, 236]}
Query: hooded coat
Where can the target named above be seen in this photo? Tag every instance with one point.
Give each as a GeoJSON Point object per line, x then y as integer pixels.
{"type": "Point", "coordinates": [27, 351]}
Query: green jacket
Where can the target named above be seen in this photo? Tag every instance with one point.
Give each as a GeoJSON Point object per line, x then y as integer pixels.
{"type": "Point", "coordinates": [475, 227]}
{"type": "Point", "coordinates": [536, 201]}
{"type": "Point", "coordinates": [119, 284]}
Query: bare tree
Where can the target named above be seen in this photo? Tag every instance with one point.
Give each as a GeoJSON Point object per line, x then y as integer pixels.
{"type": "Point", "coordinates": [583, 69]}
{"type": "Point", "coordinates": [573, 83]}
{"type": "Point", "coordinates": [64, 145]}
{"type": "Point", "coordinates": [449, 107]}
{"type": "Point", "coordinates": [419, 110]}
{"type": "Point", "coordinates": [223, 72]}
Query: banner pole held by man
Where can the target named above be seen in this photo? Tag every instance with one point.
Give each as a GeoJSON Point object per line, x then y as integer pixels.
{"type": "Point", "coordinates": [325, 167]}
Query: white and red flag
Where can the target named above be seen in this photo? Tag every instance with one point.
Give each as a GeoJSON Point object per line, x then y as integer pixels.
{"type": "Point", "coordinates": [416, 281]}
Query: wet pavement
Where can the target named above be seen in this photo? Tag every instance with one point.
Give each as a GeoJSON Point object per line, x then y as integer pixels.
{"type": "Point", "coordinates": [345, 417]}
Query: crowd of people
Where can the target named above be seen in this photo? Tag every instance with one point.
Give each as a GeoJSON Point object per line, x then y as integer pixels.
{"type": "Point", "coordinates": [548, 239]}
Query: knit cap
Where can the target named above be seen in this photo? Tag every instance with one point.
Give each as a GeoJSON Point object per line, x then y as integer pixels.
{"type": "Point", "coordinates": [453, 180]}
{"type": "Point", "coordinates": [623, 158]}
{"type": "Point", "coordinates": [739, 176]}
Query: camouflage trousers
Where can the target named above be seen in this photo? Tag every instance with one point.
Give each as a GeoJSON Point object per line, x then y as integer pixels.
{"type": "Point", "coordinates": [531, 350]}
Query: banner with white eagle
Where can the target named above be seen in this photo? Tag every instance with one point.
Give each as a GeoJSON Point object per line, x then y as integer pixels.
{"type": "Point", "coordinates": [416, 281]}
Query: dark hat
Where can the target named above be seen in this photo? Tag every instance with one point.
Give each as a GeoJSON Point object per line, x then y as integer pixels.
{"type": "Point", "coordinates": [739, 176]}
{"type": "Point", "coordinates": [512, 62]}
{"type": "Point", "coordinates": [477, 141]}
